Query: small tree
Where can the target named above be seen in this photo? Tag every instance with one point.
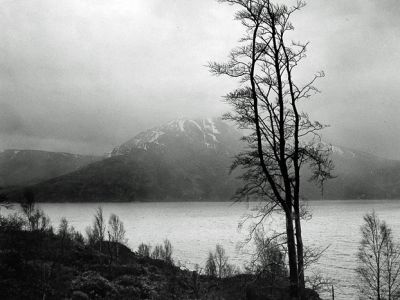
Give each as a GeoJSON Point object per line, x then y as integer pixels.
{"type": "Point", "coordinates": [168, 252]}
{"type": "Point", "coordinates": [144, 250]}
{"type": "Point", "coordinates": [36, 218]}
{"type": "Point", "coordinates": [100, 226]}
{"type": "Point", "coordinates": [217, 264]}
{"type": "Point", "coordinates": [221, 260]}
{"type": "Point", "coordinates": [378, 259]}
{"type": "Point", "coordinates": [28, 207]}
{"type": "Point", "coordinates": [157, 252]}
{"type": "Point", "coordinates": [67, 234]}
{"type": "Point", "coordinates": [391, 254]}
{"type": "Point", "coordinates": [163, 252]}
{"type": "Point", "coordinates": [211, 268]}
{"type": "Point", "coordinates": [116, 233]}
{"type": "Point", "coordinates": [92, 236]}
{"type": "Point", "coordinates": [116, 230]}
{"type": "Point", "coordinates": [96, 233]}
{"type": "Point", "coordinates": [269, 260]}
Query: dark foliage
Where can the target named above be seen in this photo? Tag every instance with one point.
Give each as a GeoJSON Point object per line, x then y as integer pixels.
{"type": "Point", "coordinates": [37, 265]}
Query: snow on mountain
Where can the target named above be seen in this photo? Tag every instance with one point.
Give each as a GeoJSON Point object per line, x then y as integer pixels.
{"type": "Point", "coordinates": [183, 160]}
{"type": "Point", "coordinates": [206, 133]}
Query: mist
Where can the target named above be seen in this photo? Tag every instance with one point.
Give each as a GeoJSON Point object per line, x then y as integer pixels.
{"type": "Point", "coordinates": [85, 76]}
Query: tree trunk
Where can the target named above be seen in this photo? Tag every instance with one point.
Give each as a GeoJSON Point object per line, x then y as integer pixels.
{"type": "Point", "coordinates": [300, 250]}
{"type": "Point", "coordinates": [378, 280]}
{"type": "Point", "coordinates": [293, 273]}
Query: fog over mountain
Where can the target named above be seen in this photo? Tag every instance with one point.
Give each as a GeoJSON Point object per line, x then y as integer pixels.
{"type": "Point", "coordinates": [24, 167]}
{"type": "Point", "coordinates": [82, 76]}
{"type": "Point", "coordinates": [189, 160]}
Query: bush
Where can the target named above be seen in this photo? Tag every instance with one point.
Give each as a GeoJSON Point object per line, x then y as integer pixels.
{"type": "Point", "coordinates": [13, 222]}
{"type": "Point", "coordinates": [78, 295]}
{"type": "Point", "coordinates": [94, 285]}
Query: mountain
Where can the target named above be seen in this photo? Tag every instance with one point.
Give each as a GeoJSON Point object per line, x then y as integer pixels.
{"type": "Point", "coordinates": [23, 167]}
{"type": "Point", "coordinates": [207, 135]}
{"type": "Point", "coordinates": [189, 160]}
{"type": "Point", "coordinates": [181, 160]}
{"type": "Point", "coordinates": [359, 175]}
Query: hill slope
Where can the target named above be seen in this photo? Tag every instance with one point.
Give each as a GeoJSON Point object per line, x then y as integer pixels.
{"type": "Point", "coordinates": [360, 175]}
{"type": "Point", "coordinates": [182, 160]}
{"type": "Point", "coordinates": [22, 167]}
{"type": "Point", "coordinates": [189, 160]}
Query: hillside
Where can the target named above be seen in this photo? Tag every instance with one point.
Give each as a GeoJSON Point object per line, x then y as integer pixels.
{"type": "Point", "coordinates": [189, 160]}
{"type": "Point", "coordinates": [43, 264]}
{"type": "Point", "coordinates": [22, 167]}
{"type": "Point", "coordinates": [183, 160]}
{"type": "Point", "coordinates": [360, 175]}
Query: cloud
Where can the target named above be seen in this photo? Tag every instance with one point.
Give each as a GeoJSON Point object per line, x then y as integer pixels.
{"type": "Point", "coordinates": [89, 74]}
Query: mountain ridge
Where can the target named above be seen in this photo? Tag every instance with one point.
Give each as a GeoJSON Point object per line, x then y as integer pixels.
{"type": "Point", "coordinates": [189, 160]}
{"type": "Point", "coordinates": [22, 167]}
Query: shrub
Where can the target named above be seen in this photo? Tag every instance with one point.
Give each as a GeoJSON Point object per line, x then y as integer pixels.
{"type": "Point", "coordinates": [13, 222]}
{"type": "Point", "coordinates": [94, 285]}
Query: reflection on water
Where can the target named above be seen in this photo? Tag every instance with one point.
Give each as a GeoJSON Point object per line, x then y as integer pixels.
{"type": "Point", "coordinates": [194, 228]}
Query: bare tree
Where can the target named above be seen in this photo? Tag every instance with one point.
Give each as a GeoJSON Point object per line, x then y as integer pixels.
{"type": "Point", "coordinates": [100, 226]}
{"type": "Point", "coordinates": [116, 230]}
{"type": "Point", "coordinates": [157, 252]}
{"type": "Point", "coordinates": [221, 260]}
{"type": "Point", "coordinates": [36, 218]}
{"type": "Point", "coordinates": [116, 235]}
{"type": "Point", "coordinates": [378, 259]}
{"type": "Point", "coordinates": [210, 268]}
{"type": "Point", "coordinates": [163, 252]}
{"type": "Point", "coordinates": [28, 206]}
{"type": "Point", "coordinates": [168, 252]}
{"type": "Point", "coordinates": [391, 254]}
{"type": "Point", "coordinates": [269, 259]}
{"type": "Point", "coordinates": [96, 233]}
{"type": "Point", "coordinates": [144, 250]}
{"type": "Point", "coordinates": [217, 264]}
{"type": "Point", "coordinates": [282, 138]}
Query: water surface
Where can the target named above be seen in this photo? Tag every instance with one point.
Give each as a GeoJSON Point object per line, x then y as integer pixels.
{"type": "Point", "coordinates": [194, 228]}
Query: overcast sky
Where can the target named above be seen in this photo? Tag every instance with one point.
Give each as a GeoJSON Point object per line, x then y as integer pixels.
{"type": "Point", "coordinates": [86, 75]}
